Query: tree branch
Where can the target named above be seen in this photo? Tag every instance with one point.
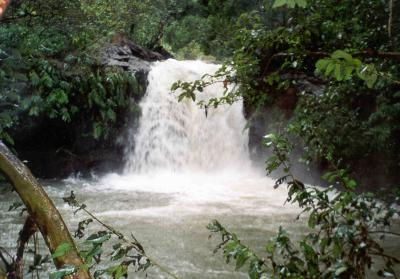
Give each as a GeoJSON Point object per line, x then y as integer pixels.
{"type": "Point", "coordinates": [42, 210]}
{"type": "Point", "coordinates": [390, 20]}
{"type": "Point", "coordinates": [4, 260]}
{"type": "Point", "coordinates": [25, 234]}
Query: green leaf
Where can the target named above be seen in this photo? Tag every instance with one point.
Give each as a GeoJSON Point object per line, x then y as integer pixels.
{"type": "Point", "coordinates": [351, 184]}
{"type": "Point", "coordinates": [118, 254]}
{"type": "Point", "coordinates": [348, 71]}
{"type": "Point", "coordinates": [35, 80]}
{"type": "Point", "coordinates": [15, 205]}
{"type": "Point", "coordinates": [270, 247]}
{"type": "Point", "coordinates": [61, 250]}
{"type": "Point", "coordinates": [338, 72]}
{"type": "Point", "coordinates": [47, 81]}
{"type": "Point", "coordinates": [369, 74]}
{"type": "Point", "coordinates": [329, 68]}
{"type": "Point", "coordinates": [312, 220]}
{"type": "Point", "coordinates": [396, 94]}
{"type": "Point", "coordinates": [242, 256]}
{"type": "Point", "coordinates": [302, 3]}
{"type": "Point", "coordinates": [111, 115]}
{"type": "Point", "coordinates": [96, 239]}
{"type": "Point", "coordinates": [279, 3]}
{"type": "Point", "coordinates": [118, 271]}
{"type": "Point", "coordinates": [64, 271]}
{"type": "Point", "coordinates": [96, 250]}
{"type": "Point", "coordinates": [322, 64]}
{"type": "Point", "coordinates": [255, 270]}
{"type": "Point", "coordinates": [34, 111]}
{"type": "Point", "coordinates": [337, 250]}
{"type": "Point", "coordinates": [290, 3]}
{"type": "Point", "coordinates": [309, 252]}
{"type": "Point", "coordinates": [371, 80]}
{"type": "Point", "coordinates": [97, 130]}
{"type": "Point", "coordinates": [340, 270]}
{"type": "Point", "coordinates": [340, 54]}
{"type": "Point", "coordinates": [7, 138]}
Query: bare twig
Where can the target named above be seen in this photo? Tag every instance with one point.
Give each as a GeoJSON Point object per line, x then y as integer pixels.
{"type": "Point", "coordinates": [386, 232]}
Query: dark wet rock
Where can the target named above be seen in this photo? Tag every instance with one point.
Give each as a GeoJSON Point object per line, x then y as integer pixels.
{"type": "Point", "coordinates": [55, 149]}
{"type": "Point", "coordinates": [132, 57]}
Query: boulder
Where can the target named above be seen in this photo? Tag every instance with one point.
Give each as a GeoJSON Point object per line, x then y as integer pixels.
{"type": "Point", "coordinates": [56, 149]}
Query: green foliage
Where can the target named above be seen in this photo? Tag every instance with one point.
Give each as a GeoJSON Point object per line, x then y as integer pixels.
{"type": "Point", "coordinates": [177, 25]}
{"type": "Point", "coordinates": [50, 66]}
{"type": "Point", "coordinates": [49, 69]}
{"type": "Point", "coordinates": [290, 3]}
{"type": "Point", "coordinates": [331, 63]}
{"type": "Point", "coordinates": [190, 89]}
{"type": "Point", "coordinates": [190, 29]}
{"type": "Point", "coordinates": [76, 90]}
{"type": "Point", "coordinates": [343, 239]}
{"type": "Point", "coordinates": [126, 252]}
{"type": "Point", "coordinates": [342, 66]}
{"type": "Point", "coordinates": [337, 125]}
{"type": "Point", "coordinates": [192, 51]}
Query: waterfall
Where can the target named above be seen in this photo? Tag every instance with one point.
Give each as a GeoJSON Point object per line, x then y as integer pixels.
{"type": "Point", "coordinates": [179, 136]}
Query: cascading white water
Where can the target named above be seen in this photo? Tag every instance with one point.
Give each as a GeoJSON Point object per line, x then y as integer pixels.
{"type": "Point", "coordinates": [184, 169]}
{"type": "Point", "coordinates": [179, 136]}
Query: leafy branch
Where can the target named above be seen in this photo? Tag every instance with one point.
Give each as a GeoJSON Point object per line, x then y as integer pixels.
{"type": "Point", "coordinates": [342, 239]}
{"type": "Point", "coordinates": [224, 75]}
{"type": "Point", "coordinates": [127, 248]}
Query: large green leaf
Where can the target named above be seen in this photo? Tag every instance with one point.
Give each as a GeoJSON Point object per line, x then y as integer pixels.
{"type": "Point", "coordinates": [61, 250]}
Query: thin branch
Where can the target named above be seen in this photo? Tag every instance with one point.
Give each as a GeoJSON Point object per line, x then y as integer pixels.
{"type": "Point", "coordinates": [386, 232]}
{"type": "Point", "coordinates": [386, 256]}
{"type": "Point", "coordinates": [6, 263]}
{"type": "Point", "coordinates": [25, 234]}
{"type": "Point", "coordinates": [390, 21]}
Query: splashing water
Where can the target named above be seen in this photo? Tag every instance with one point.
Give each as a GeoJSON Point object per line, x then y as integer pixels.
{"type": "Point", "coordinates": [180, 149]}
{"type": "Point", "coordinates": [180, 136]}
{"type": "Point", "coordinates": [183, 170]}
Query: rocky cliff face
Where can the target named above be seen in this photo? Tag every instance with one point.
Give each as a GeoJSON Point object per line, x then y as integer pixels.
{"type": "Point", "coordinates": [56, 149]}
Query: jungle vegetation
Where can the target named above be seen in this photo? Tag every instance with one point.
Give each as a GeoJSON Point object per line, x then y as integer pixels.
{"type": "Point", "coordinates": [331, 67]}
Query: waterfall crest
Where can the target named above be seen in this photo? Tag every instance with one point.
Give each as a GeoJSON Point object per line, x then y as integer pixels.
{"type": "Point", "coordinates": [179, 136]}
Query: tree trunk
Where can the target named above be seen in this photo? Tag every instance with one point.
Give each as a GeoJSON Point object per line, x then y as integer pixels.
{"type": "Point", "coordinates": [2, 274]}
{"type": "Point", "coordinates": [3, 6]}
{"type": "Point", "coordinates": [42, 210]}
